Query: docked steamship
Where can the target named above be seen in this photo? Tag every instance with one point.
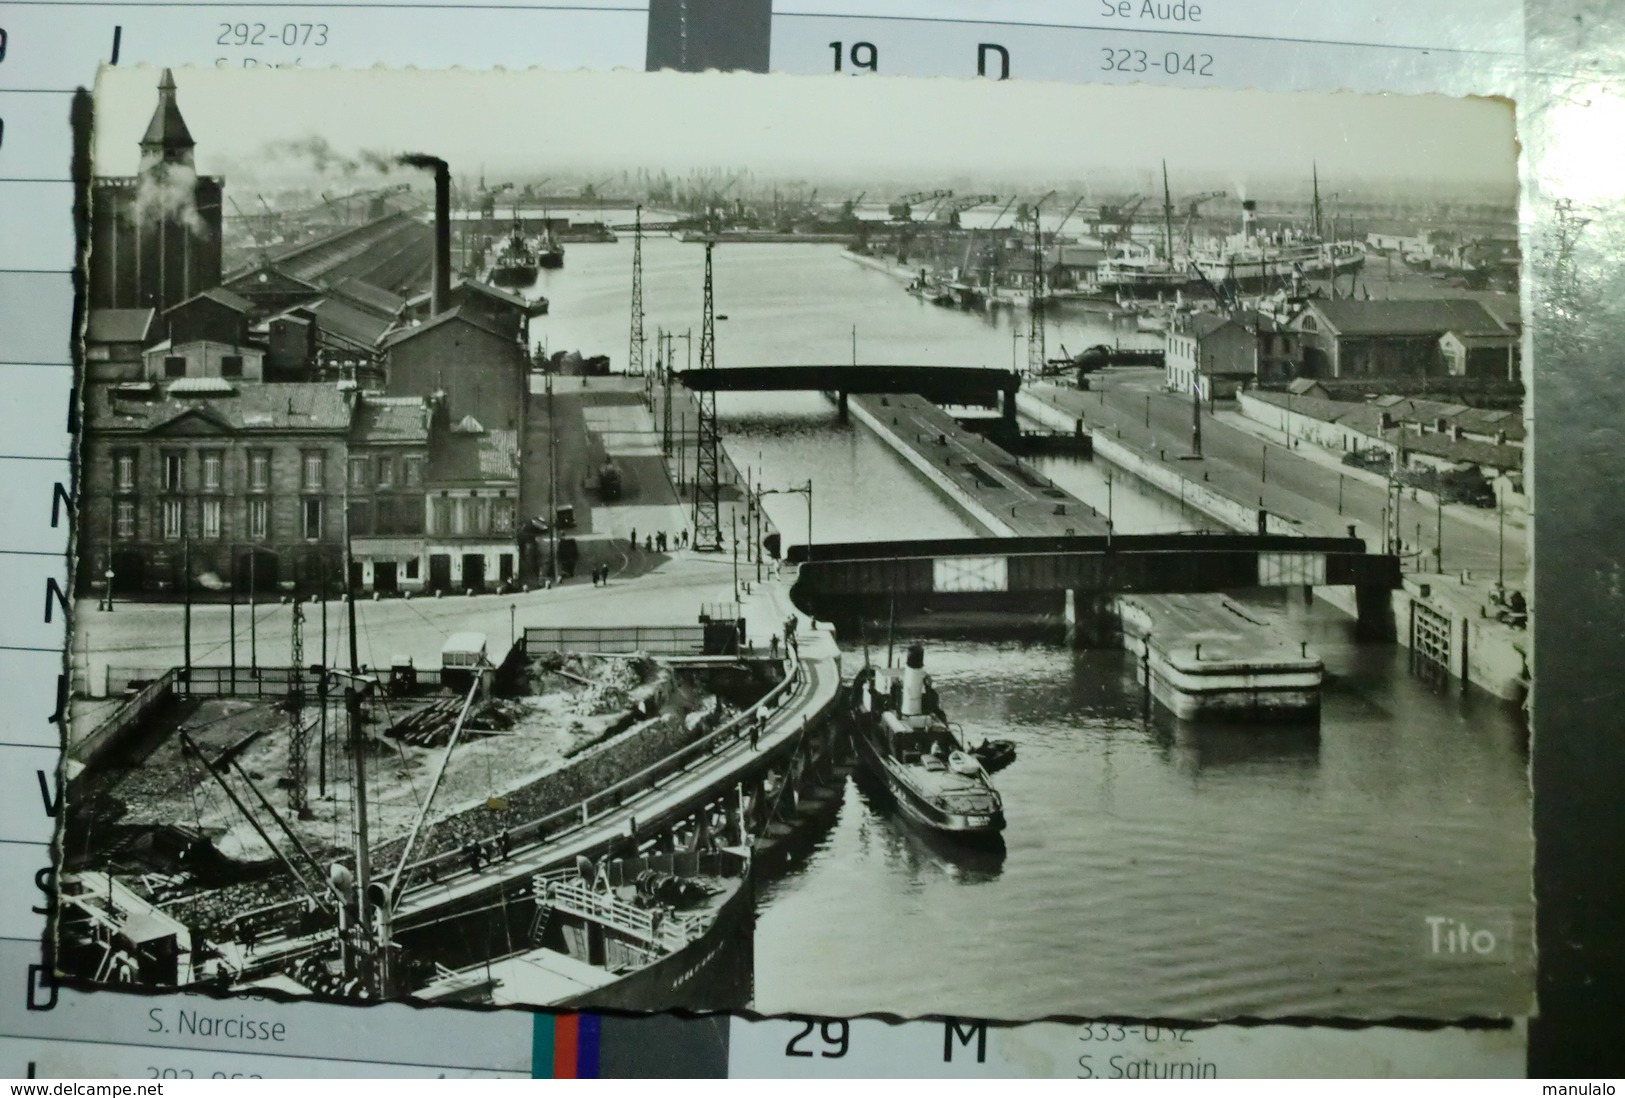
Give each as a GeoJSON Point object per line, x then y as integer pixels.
{"type": "Point", "coordinates": [904, 737]}
{"type": "Point", "coordinates": [1251, 260]}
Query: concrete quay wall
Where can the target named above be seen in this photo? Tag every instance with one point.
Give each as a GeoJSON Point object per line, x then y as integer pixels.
{"type": "Point", "coordinates": [1481, 651]}
{"type": "Point", "coordinates": [1234, 513]}
{"type": "Point", "coordinates": [945, 484]}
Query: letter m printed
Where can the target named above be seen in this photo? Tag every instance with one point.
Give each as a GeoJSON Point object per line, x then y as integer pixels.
{"type": "Point", "coordinates": [952, 1031]}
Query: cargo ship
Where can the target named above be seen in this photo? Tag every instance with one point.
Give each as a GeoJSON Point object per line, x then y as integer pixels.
{"type": "Point", "coordinates": [514, 261]}
{"type": "Point", "coordinates": [904, 737]}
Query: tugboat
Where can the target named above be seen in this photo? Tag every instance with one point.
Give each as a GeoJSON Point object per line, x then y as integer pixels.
{"type": "Point", "coordinates": [904, 737]}
{"type": "Point", "coordinates": [514, 263]}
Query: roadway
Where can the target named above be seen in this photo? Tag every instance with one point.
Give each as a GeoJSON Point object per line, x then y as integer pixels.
{"type": "Point", "coordinates": [1301, 484]}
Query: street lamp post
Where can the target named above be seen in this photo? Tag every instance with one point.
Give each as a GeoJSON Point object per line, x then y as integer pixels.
{"type": "Point", "coordinates": [552, 487]}
{"type": "Point", "coordinates": [1500, 541]}
{"type": "Point", "coordinates": [804, 489]}
{"type": "Point", "coordinates": [513, 629]}
{"type": "Point", "coordinates": [1264, 463]}
{"type": "Point", "coordinates": [1438, 531]}
{"type": "Point", "coordinates": [1148, 411]}
{"type": "Point", "coordinates": [1340, 493]}
{"type": "Point", "coordinates": [1015, 336]}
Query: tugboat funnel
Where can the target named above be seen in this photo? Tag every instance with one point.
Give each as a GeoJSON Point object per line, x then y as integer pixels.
{"type": "Point", "coordinates": [913, 682]}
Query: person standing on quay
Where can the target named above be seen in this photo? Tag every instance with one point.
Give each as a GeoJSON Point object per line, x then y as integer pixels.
{"type": "Point", "coordinates": [633, 538]}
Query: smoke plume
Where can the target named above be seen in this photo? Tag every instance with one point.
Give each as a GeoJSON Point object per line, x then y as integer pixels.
{"type": "Point", "coordinates": [166, 193]}
{"type": "Point", "coordinates": [320, 155]}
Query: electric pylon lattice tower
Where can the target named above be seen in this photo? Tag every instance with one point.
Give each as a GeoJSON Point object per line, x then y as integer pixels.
{"type": "Point", "coordinates": [634, 354]}
{"type": "Point", "coordinates": [707, 466]}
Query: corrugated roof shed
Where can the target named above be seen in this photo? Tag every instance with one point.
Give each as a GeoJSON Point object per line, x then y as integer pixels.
{"type": "Point", "coordinates": [371, 298]}
{"type": "Point", "coordinates": [221, 295]}
{"type": "Point", "coordinates": [1418, 318]}
{"type": "Point", "coordinates": [348, 322]}
{"type": "Point", "coordinates": [118, 325]}
{"type": "Point", "coordinates": [467, 316]}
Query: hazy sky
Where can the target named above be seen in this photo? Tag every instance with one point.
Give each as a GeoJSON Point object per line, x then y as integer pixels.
{"type": "Point", "coordinates": [819, 127]}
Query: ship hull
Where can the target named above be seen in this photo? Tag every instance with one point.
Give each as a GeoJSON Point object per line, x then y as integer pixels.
{"type": "Point", "coordinates": [551, 261]}
{"type": "Point", "coordinates": [713, 972]}
{"type": "Point", "coordinates": [1248, 276]}
{"type": "Point", "coordinates": [513, 276]}
{"type": "Point", "coordinates": [919, 810]}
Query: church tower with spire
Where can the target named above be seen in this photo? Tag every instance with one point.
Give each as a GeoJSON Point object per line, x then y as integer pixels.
{"type": "Point", "coordinates": [167, 140]}
{"type": "Point", "coordinates": [156, 235]}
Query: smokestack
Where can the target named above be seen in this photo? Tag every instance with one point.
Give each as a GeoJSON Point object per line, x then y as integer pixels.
{"type": "Point", "coordinates": [913, 682]}
{"type": "Point", "coordinates": [440, 288]}
{"type": "Point", "coordinates": [1249, 212]}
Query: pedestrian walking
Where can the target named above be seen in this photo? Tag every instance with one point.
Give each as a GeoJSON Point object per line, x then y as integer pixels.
{"type": "Point", "coordinates": [633, 538]}
{"type": "Point", "coordinates": [773, 646]}
{"type": "Point", "coordinates": [649, 544]}
{"type": "Point", "coordinates": [504, 845]}
{"type": "Point", "coordinates": [755, 730]}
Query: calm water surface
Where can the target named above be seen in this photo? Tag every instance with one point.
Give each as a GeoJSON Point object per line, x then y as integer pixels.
{"type": "Point", "coordinates": [1150, 867]}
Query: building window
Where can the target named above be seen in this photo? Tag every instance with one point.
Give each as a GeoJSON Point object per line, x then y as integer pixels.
{"type": "Point", "coordinates": [358, 473]}
{"type": "Point", "coordinates": [212, 460]}
{"type": "Point", "coordinates": [211, 518]}
{"type": "Point", "coordinates": [259, 518]}
{"type": "Point", "coordinates": [259, 471]}
{"type": "Point", "coordinates": [174, 365]}
{"type": "Point", "coordinates": [412, 468]}
{"type": "Point", "coordinates": [172, 519]}
{"type": "Point", "coordinates": [359, 515]}
{"type": "Point", "coordinates": [412, 569]}
{"type": "Point", "coordinates": [124, 519]}
{"type": "Point", "coordinates": [313, 519]}
{"type": "Point", "coordinates": [386, 471]}
{"type": "Point", "coordinates": [502, 517]}
{"type": "Point", "coordinates": [231, 365]}
{"type": "Point", "coordinates": [313, 471]}
{"type": "Point", "coordinates": [174, 471]}
{"type": "Point", "coordinates": [124, 471]}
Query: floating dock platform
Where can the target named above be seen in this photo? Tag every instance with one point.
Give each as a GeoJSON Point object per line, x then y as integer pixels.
{"type": "Point", "coordinates": [1206, 658]}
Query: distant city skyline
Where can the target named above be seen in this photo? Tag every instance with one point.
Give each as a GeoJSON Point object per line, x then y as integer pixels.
{"type": "Point", "coordinates": [266, 124]}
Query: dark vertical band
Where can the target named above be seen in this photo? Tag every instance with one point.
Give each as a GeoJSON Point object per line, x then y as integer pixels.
{"type": "Point", "coordinates": [1575, 283]}
{"type": "Point", "coordinates": [663, 1046]}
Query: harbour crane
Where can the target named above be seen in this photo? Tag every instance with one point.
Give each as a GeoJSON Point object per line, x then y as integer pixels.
{"type": "Point", "coordinates": [1193, 207]}
{"type": "Point", "coordinates": [1002, 211]}
{"type": "Point", "coordinates": [849, 208]}
{"type": "Point", "coordinates": [1037, 293]}
{"type": "Point", "coordinates": [953, 207]}
{"type": "Point", "coordinates": [1119, 217]}
{"type": "Point", "coordinates": [1068, 217]}
{"type": "Point", "coordinates": [903, 208]}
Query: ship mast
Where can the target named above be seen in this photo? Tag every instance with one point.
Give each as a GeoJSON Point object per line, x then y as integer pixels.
{"type": "Point", "coordinates": [373, 961]}
{"type": "Point", "coordinates": [1314, 170]}
{"type": "Point", "coordinates": [1167, 215]}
